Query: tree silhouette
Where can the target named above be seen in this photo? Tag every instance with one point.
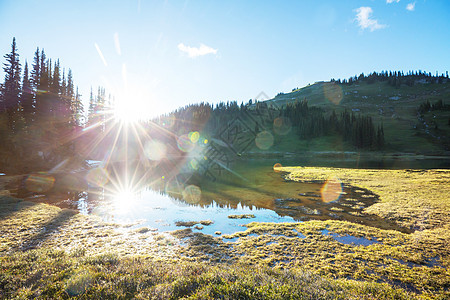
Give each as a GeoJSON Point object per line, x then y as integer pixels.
{"type": "Point", "coordinates": [11, 86]}
{"type": "Point", "coordinates": [26, 99]}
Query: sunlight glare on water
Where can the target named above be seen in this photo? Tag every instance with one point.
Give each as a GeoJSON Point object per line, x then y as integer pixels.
{"type": "Point", "coordinates": [124, 201]}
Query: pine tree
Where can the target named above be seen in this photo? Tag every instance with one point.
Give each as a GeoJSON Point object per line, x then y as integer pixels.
{"type": "Point", "coordinates": [63, 84]}
{"type": "Point", "coordinates": [91, 110]}
{"type": "Point", "coordinates": [55, 92]}
{"type": "Point", "coordinates": [35, 72]}
{"type": "Point", "coordinates": [100, 108]}
{"type": "Point", "coordinates": [69, 99]}
{"type": "Point", "coordinates": [26, 98]}
{"type": "Point", "coordinates": [77, 110]}
{"type": "Point", "coordinates": [11, 86]}
{"type": "Point", "coordinates": [41, 98]}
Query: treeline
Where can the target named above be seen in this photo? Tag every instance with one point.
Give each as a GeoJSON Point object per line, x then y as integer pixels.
{"type": "Point", "coordinates": [40, 111]}
{"type": "Point", "coordinates": [437, 106]}
{"type": "Point", "coordinates": [396, 78]}
{"type": "Point", "coordinates": [427, 106]}
{"type": "Point", "coordinates": [43, 91]}
{"type": "Point", "coordinates": [203, 116]}
{"type": "Point", "coordinates": [308, 122]}
{"type": "Point", "coordinates": [311, 122]}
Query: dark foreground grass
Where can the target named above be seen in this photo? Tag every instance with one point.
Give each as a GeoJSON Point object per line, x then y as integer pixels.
{"type": "Point", "coordinates": [44, 273]}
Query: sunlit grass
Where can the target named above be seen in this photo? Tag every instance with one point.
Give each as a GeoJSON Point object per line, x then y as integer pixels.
{"type": "Point", "coordinates": [57, 274]}
{"type": "Point", "coordinates": [411, 198]}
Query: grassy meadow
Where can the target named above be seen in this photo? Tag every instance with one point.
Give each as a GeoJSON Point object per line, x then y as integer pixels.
{"type": "Point", "coordinates": [48, 252]}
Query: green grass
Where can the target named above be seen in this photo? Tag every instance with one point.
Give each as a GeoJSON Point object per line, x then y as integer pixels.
{"type": "Point", "coordinates": [45, 274]}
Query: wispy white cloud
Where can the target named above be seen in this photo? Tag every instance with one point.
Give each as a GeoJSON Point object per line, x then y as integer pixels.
{"type": "Point", "coordinates": [411, 6]}
{"type": "Point", "coordinates": [364, 20]}
{"type": "Point", "coordinates": [196, 51]}
{"type": "Point", "coordinates": [391, 1]}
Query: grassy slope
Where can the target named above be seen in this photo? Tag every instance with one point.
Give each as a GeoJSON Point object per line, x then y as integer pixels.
{"type": "Point", "coordinates": [397, 116]}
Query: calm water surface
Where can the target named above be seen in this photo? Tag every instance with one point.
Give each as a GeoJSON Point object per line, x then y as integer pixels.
{"type": "Point", "coordinates": [250, 187]}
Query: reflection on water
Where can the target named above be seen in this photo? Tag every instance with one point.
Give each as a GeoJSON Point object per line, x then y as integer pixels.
{"type": "Point", "coordinates": [159, 211]}
{"type": "Point", "coordinates": [350, 240]}
{"type": "Point", "coordinates": [255, 187]}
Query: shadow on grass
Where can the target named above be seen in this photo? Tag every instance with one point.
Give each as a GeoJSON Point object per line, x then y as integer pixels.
{"type": "Point", "coordinates": [10, 205]}
{"type": "Point", "coordinates": [48, 229]}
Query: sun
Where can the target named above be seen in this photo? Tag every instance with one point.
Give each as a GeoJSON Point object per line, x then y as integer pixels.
{"type": "Point", "coordinates": [136, 104]}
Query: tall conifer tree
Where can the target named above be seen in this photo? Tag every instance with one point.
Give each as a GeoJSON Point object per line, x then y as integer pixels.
{"type": "Point", "coordinates": [27, 97]}
{"type": "Point", "coordinates": [11, 86]}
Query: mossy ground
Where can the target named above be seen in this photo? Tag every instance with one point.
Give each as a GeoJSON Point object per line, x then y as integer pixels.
{"type": "Point", "coordinates": [51, 274]}
{"type": "Point", "coordinates": [49, 252]}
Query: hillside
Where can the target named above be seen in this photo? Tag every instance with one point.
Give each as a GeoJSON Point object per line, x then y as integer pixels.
{"type": "Point", "coordinates": [396, 108]}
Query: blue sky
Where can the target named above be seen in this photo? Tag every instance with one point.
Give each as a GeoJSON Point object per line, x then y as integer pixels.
{"type": "Point", "coordinates": [171, 53]}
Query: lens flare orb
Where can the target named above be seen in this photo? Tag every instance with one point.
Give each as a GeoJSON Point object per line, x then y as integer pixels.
{"type": "Point", "coordinates": [98, 177]}
{"type": "Point", "coordinates": [333, 92]}
{"type": "Point", "coordinates": [192, 194]}
{"type": "Point", "coordinates": [331, 190]}
{"type": "Point", "coordinates": [264, 140]}
{"type": "Point", "coordinates": [277, 167]}
{"type": "Point", "coordinates": [155, 150]}
{"type": "Point", "coordinates": [194, 164]}
{"type": "Point", "coordinates": [39, 183]}
{"type": "Point", "coordinates": [194, 136]}
{"type": "Point", "coordinates": [185, 143]}
{"type": "Point", "coordinates": [282, 125]}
